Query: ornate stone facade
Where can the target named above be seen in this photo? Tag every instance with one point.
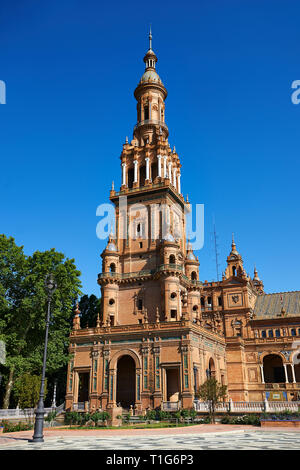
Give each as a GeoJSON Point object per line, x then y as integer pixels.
{"type": "Point", "coordinates": [161, 331]}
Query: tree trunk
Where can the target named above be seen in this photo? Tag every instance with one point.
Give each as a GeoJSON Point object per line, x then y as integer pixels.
{"type": "Point", "coordinates": [9, 387]}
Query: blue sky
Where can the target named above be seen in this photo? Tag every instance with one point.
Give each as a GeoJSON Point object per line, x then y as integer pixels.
{"type": "Point", "coordinates": [70, 69]}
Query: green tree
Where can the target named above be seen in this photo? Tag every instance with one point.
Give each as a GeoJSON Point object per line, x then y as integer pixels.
{"type": "Point", "coordinates": [212, 392]}
{"type": "Point", "coordinates": [89, 307]}
{"type": "Point", "coordinates": [27, 389]}
{"type": "Point", "coordinates": [23, 304]}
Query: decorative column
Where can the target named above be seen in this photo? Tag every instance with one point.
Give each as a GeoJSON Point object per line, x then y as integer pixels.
{"type": "Point", "coordinates": [94, 394]}
{"type": "Point", "coordinates": [105, 378]}
{"type": "Point", "coordinates": [286, 375]}
{"type": "Point", "coordinates": [170, 171]}
{"type": "Point", "coordinates": [138, 404]}
{"type": "Point", "coordinates": [293, 372]}
{"type": "Point", "coordinates": [174, 177]}
{"type": "Point", "coordinates": [135, 162]}
{"type": "Point", "coordinates": [123, 174]}
{"type": "Point", "coordinates": [145, 354]}
{"type": "Point", "coordinates": [112, 388]}
{"type": "Point", "coordinates": [147, 168]}
{"type": "Point", "coordinates": [187, 392]}
{"type": "Point", "coordinates": [165, 166]}
{"type": "Point", "coordinates": [159, 165]}
{"type": "Point", "coordinates": [262, 373]}
{"type": "Point", "coordinates": [157, 395]}
{"type": "Point", "coordinates": [178, 183]}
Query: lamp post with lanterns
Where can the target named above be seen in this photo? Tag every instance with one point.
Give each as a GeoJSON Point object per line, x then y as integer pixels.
{"type": "Point", "coordinates": [50, 286]}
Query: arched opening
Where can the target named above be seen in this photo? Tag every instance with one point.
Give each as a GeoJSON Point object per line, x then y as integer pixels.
{"type": "Point", "coordinates": [130, 177]}
{"type": "Point", "coordinates": [146, 112]}
{"type": "Point", "coordinates": [112, 268]}
{"type": "Point", "coordinates": [273, 369]}
{"type": "Point", "coordinates": [154, 171]}
{"type": "Point", "coordinates": [233, 270]}
{"type": "Point", "coordinates": [142, 175]}
{"type": "Point", "coordinates": [83, 386]}
{"type": "Point", "coordinates": [194, 276]}
{"type": "Point", "coordinates": [202, 301]}
{"type": "Point", "coordinates": [126, 381]}
{"type": "Point", "coordinates": [211, 371]}
{"type": "Point", "coordinates": [172, 259]}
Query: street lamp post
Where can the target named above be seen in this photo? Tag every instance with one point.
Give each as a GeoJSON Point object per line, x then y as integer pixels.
{"type": "Point", "coordinates": [50, 286]}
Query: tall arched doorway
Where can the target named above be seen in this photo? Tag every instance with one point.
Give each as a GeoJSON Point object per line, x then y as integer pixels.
{"type": "Point", "coordinates": [273, 369]}
{"type": "Point", "coordinates": [126, 381]}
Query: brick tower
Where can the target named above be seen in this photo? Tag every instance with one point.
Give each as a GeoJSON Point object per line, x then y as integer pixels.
{"type": "Point", "coordinates": [150, 348]}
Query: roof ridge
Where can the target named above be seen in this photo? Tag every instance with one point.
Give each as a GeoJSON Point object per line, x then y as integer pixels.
{"type": "Point", "coordinates": [283, 292]}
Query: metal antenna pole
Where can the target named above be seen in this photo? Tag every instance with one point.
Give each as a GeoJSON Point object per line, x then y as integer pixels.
{"type": "Point", "coordinates": [216, 249]}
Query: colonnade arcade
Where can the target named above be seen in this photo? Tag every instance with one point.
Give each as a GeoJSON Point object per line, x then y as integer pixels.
{"type": "Point", "coordinates": [140, 173]}
{"type": "Point", "coordinates": [275, 368]}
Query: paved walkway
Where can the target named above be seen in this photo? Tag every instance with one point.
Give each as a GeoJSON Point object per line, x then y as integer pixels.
{"type": "Point", "coordinates": [200, 437]}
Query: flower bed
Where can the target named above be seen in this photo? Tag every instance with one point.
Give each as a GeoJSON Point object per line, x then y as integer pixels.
{"type": "Point", "coordinates": [284, 423]}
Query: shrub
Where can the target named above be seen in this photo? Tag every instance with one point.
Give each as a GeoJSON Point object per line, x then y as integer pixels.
{"type": "Point", "coordinates": [95, 417]}
{"type": "Point", "coordinates": [193, 413]}
{"type": "Point", "coordinates": [151, 415]}
{"type": "Point", "coordinates": [51, 416]}
{"type": "Point", "coordinates": [225, 420]}
{"type": "Point", "coordinates": [11, 427]}
{"type": "Point", "coordinates": [125, 418]}
{"type": "Point", "coordinates": [185, 413]}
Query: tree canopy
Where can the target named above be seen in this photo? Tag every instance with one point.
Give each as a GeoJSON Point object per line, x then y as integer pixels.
{"type": "Point", "coordinates": [23, 301]}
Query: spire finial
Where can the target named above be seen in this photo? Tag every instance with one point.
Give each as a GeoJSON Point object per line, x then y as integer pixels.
{"type": "Point", "coordinates": [150, 38]}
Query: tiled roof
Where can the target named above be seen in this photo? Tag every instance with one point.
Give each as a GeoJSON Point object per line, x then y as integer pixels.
{"type": "Point", "coordinates": [270, 305]}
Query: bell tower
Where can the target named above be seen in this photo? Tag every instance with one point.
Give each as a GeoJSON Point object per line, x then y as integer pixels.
{"type": "Point", "coordinates": [149, 234]}
{"type": "Point", "coordinates": [151, 345]}
{"type": "Point", "coordinates": [150, 95]}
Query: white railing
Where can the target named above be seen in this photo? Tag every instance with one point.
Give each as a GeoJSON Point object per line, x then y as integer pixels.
{"type": "Point", "coordinates": [15, 413]}
{"type": "Point", "coordinates": [80, 406]}
{"type": "Point", "coordinates": [171, 405]}
{"type": "Point", "coordinates": [282, 406]}
{"type": "Point", "coordinates": [249, 406]}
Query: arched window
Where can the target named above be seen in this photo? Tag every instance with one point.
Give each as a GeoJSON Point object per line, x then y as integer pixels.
{"type": "Point", "coordinates": [211, 371]}
{"type": "Point", "coordinates": [154, 171]}
{"type": "Point", "coordinates": [233, 270]}
{"type": "Point", "coordinates": [263, 334]}
{"type": "Point", "coordinates": [273, 369]}
{"type": "Point", "coordinates": [293, 332]}
{"type": "Point", "coordinates": [172, 259]}
{"type": "Point", "coordinates": [130, 177]}
{"type": "Point", "coordinates": [202, 301]}
{"type": "Point", "coordinates": [220, 301]}
{"type": "Point", "coordinates": [194, 276]}
{"type": "Point", "coordinates": [209, 301]}
{"type": "Point", "coordinates": [112, 268]}
{"type": "Point", "coordinates": [146, 112]}
{"type": "Point", "coordinates": [142, 175]}
{"type": "Point", "coordinates": [277, 333]}
{"type": "Point", "coordinates": [270, 334]}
